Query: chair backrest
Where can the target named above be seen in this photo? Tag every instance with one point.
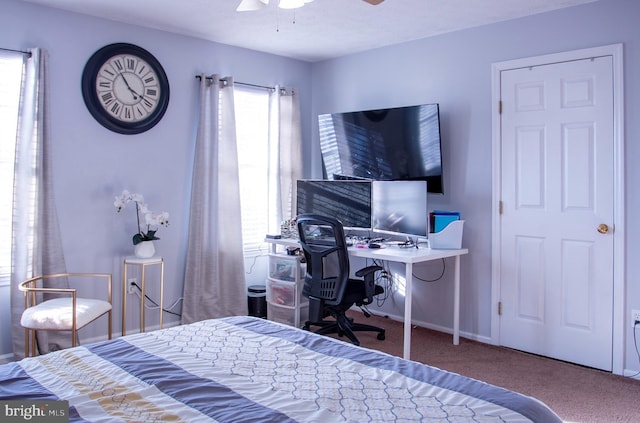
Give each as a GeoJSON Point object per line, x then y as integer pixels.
{"type": "Point", "coordinates": [325, 250]}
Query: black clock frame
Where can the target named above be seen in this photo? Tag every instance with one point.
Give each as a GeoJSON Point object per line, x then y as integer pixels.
{"type": "Point", "coordinates": [90, 74]}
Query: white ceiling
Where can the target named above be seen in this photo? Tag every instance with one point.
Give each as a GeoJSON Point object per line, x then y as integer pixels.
{"type": "Point", "coordinates": [320, 30]}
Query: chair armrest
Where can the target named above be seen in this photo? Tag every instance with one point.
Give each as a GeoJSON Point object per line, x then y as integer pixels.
{"type": "Point", "coordinates": [368, 274]}
{"type": "Point", "coordinates": [31, 286]}
{"type": "Point", "coordinates": [368, 270]}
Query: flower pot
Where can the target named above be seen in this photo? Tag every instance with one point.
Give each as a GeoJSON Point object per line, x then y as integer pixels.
{"type": "Point", "coordinates": [145, 249]}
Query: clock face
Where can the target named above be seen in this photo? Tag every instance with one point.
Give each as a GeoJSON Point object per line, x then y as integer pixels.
{"type": "Point", "coordinates": [128, 88]}
{"type": "Point", "coordinates": [125, 88]}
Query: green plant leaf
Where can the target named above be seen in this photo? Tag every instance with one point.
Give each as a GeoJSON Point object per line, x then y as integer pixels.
{"type": "Point", "coordinates": [137, 239]}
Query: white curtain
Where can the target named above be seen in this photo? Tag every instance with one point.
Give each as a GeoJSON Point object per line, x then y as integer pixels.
{"type": "Point", "coordinates": [36, 244]}
{"type": "Point", "coordinates": [214, 284]}
{"type": "Point", "coordinates": [286, 161]}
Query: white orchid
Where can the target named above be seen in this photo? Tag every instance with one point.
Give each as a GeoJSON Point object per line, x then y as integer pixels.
{"type": "Point", "coordinates": [151, 221]}
{"type": "Point", "coordinates": [161, 219]}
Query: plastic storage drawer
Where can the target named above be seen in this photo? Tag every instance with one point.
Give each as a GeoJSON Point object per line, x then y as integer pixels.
{"type": "Point", "coordinates": [285, 268]}
{"type": "Point", "coordinates": [283, 293]}
{"type": "Point", "coordinates": [292, 316]}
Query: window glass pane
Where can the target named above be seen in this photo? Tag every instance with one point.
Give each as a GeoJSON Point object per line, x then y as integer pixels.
{"type": "Point", "coordinates": [252, 128]}
{"type": "Point", "coordinates": [10, 79]}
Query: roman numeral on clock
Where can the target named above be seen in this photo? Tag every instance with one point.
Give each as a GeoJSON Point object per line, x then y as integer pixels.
{"type": "Point", "coordinates": [107, 98]}
{"type": "Point", "coordinates": [115, 108]}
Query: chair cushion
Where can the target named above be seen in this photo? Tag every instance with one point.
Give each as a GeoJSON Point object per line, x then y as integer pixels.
{"type": "Point", "coordinates": [57, 314]}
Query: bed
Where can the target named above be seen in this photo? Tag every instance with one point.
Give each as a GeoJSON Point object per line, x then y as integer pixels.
{"type": "Point", "coordinates": [246, 369]}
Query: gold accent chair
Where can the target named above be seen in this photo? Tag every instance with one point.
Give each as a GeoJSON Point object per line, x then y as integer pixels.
{"type": "Point", "coordinates": [60, 309]}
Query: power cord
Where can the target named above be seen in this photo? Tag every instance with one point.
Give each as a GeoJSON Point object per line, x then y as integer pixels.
{"type": "Point", "coordinates": [155, 306]}
{"type": "Point", "coordinates": [386, 279]}
{"type": "Point", "coordinates": [261, 253]}
{"type": "Point", "coordinates": [635, 342]}
{"type": "Point", "coordinates": [444, 268]}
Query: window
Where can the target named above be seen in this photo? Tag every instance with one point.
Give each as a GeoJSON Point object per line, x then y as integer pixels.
{"type": "Point", "coordinates": [10, 80]}
{"type": "Point", "coordinates": [252, 131]}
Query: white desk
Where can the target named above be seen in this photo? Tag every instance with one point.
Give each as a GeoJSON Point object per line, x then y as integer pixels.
{"type": "Point", "coordinates": [408, 256]}
{"type": "Point", "coordinates": [411, 256]}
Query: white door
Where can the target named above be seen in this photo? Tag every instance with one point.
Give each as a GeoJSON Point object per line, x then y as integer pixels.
{"type": "Point", "coordinates": [557, 190]}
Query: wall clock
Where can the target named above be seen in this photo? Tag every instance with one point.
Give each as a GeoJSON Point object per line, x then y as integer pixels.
{"type": "Point", "coordinates": [125, 88]}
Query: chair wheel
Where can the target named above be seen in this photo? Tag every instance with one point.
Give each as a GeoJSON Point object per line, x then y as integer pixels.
{"type": "Point", "coordinates": [381, 336]}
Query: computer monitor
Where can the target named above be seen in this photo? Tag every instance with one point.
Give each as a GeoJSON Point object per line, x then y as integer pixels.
{"type": "Point", "coordinates": [399, 208]}
{"type": "Point", "coordinates": [349, 201]}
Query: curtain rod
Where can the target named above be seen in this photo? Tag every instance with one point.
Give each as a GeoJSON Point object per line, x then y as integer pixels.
{"type": "Point", "coordinates": [16, 51]}
{"type": "Point", "coordinates": [242, 83]}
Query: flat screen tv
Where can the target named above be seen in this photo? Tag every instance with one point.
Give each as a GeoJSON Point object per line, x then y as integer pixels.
{"type": "Point", "coordinates": [348, 201]}
{"type": "Point", "coordinates": [399, 208]}
{"type": "Point", "coordinates": [401, 143]}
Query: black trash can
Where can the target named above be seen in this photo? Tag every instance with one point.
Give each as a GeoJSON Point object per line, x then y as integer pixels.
{"type": "Point", "coordinates": [257, 300]}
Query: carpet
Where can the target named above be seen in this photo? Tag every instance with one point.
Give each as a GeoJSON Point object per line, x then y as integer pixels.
{"type": "Point", "coordinates": [577, 394]}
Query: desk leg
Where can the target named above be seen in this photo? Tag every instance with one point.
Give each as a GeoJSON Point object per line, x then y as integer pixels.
{"type": "Point", "coordinates": [456, 301]}
{"type": "Point", "coordinates": [407, 310]}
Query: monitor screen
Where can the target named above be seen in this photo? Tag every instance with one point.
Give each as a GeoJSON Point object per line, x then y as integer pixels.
{"type": "Point", "coordinates": [399, 207]}
{"type": "Point", "coordinates": [400, 143]}
{"type": "Point", "coordinates": [349, 201]}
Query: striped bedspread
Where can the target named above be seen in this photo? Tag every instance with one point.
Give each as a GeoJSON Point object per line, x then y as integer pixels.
{"type": "Point", "coordinates": [245, 369]}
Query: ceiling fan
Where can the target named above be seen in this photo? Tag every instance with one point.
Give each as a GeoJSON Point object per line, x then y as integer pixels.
{"type": "Point", "coordinates": [248, 5]}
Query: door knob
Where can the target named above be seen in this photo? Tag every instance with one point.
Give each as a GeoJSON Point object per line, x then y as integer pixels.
{"type": "Point", "coordinates": [603, 228]}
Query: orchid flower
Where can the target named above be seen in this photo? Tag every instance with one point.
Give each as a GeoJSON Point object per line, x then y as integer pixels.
{"type": "Point", "coordinates": [151, 221]}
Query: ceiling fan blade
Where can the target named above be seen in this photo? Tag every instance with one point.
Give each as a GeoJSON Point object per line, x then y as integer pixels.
{"type": "Point", "coordinates": [374, 2]}
{"type": "Point", "coordinates": [249, 5]}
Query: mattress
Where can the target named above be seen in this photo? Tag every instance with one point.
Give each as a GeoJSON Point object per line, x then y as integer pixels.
{"type": "Point", "coordinates": [246, 369]}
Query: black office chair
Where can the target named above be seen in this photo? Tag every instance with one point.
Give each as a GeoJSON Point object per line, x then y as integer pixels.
{"type": "Point", "coordinates": [327, 284]}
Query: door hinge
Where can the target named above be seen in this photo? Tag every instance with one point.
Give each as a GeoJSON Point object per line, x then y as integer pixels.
{"type": "Point", "coordinates": [500, 107]}
{"type": "Point", "coordinates": [499, 308]}
{"type": "Point", "coordinates": [500, 207]}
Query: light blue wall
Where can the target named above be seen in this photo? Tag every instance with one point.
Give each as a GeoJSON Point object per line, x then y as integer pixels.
{"type": "Point", "coordinates": [92, 165]}
{"type": "Point", "coordinates": [455, 70]}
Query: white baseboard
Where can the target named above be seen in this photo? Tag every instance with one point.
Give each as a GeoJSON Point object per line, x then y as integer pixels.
{"type": "Point", "coordinates": [468, 335]}
{"type": "Point", "coordinates": [633, 374]}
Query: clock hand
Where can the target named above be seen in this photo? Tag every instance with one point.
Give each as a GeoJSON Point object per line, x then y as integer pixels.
{"type": "Point", "coordinates": [135, 94]}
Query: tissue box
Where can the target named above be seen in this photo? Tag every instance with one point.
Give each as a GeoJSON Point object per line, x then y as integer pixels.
{"type": "Point", "coordinates": [449, 238]}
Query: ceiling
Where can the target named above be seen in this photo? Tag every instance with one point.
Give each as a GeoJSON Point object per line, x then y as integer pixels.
{"type": "Point", "coordinates": [320, 30]}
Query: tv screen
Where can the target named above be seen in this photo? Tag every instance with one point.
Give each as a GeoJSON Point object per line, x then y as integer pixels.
{"type": "Point", "coordinates": [401, 143]}
{"type": "Point", "coordinates": [399, 207]}
{"type": "Point", "coordinates": [348, 201]}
